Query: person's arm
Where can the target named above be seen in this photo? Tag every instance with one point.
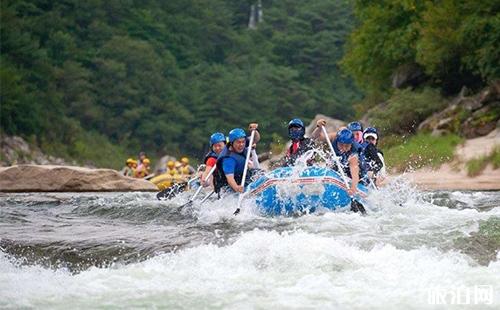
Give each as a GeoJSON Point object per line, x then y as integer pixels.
{"type": "Point", "coordinates": [317, 133]}
{"type": "Point", "coordinates": [354, 167]}
{"type": "Point", "coordinates": [232, 182]}
{"type": "Point", "coordinates": [211, 162]}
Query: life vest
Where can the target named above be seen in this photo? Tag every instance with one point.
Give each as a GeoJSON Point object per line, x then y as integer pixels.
{"type": "Point", "coordinates": [209, 155]}
{"type": "Point", "coordinates": [172, 171]}
{"type": "Point", "coordinates": [140, 171]}
{"type": "Point", "coordinates": [305, 144]}
{"type": "Point", "coordinates": [372, 158]}
{"type": "Point", "coordinates": [356, 150]}
{"type": "Point", "coordinates": [219, 175]}
{"type": "Point", "coordinates": [185, 170]}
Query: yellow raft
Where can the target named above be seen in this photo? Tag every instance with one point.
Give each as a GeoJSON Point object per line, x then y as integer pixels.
{"type": "Point", "coordinates": [166, 180]}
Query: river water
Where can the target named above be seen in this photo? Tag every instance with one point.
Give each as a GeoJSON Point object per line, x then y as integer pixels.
{"type": "Point", "coordinates": [413, 250]}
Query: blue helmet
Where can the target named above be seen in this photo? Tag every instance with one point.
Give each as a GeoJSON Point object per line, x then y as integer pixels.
{"type": "Point", "coordinates": [370, 132]}
{"type": "Point", "coordinates": [345, 136]}
{"type": "Point", "coordinates": [296, 134]}
{"type": "Point", "coordinates": [216, 138]}
{"type": "Point", "coordinates": [236, 134]}
{"type": "Point", "coordinates": [355, 126]}
{"type": "Point", "coordinates": [297, 122]}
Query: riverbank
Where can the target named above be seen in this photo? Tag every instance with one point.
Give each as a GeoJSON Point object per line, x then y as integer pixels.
{"type": "Point", "coordinates": [448, 178]}
{"type": "Point", "coordinates": [453, 175]}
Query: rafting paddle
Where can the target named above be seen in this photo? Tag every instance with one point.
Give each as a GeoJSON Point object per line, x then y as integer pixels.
{"type": "Point", "coordinates": [171, 191]}
{"type": "Point", "coordinates": [207, 196]}
{"type": "Point", "coordinates": [355, 205]}
{"type": "Point", "coordinates": [249, 151]}
{"type": "Point", "coordinates": [199, 188]}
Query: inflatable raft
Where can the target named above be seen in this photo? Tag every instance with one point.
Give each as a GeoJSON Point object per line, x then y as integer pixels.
{"type": "Point", "coordinates": [288, 191]}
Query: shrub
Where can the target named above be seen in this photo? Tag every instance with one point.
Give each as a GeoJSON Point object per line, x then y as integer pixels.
{"type": "Point", "coordinates": [402, 113]}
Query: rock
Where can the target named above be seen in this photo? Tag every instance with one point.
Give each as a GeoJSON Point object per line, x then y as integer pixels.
{"type": "Point", "coordinates": [482, 121]}
{"type": "Point", "coordinates": [445, 123]}
{"type": "Point", "coordinates": [436, 120]}
{"type": "Point", "coordinates": [470, 103]}
{"type": "Point", "coordinates": [439, 132]}
{"type": "Point", "coordinates": [15, 150]}
{"type": "Point", "coordinates": [37, 178]}
{"type": "Point", "coordinates": [409, 75]}
{"type": "Point", "coordinates": [161, 165]}
{"type": "Point", "coordinates": [332, 124]}
{"type": "Point", "coordinates": [471, 117]}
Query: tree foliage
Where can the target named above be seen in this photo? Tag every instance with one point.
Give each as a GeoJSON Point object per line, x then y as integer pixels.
{"type": "Point", "coordinates": [162, 75]}
{"type": "Point", "coordinates": [455, 41]}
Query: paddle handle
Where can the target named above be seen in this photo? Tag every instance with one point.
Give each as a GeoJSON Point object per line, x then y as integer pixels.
{"type": "Point", "coordinates": [337, 161]}
{"type": "Point", "coordinates": [212, 170]}
{"type": "Point", "coordinates": [245, 170]}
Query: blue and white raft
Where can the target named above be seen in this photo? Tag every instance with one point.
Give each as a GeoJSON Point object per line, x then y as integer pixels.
{"type": "Point", "coordinates": [289, 191]}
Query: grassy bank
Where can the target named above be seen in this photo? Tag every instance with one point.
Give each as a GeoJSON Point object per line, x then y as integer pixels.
{"type": "Point", "coordinates": [421, 150]}
{"type": "Point", "coordinates": [477, 165]}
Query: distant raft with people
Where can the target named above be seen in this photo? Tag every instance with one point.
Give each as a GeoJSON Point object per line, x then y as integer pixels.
{"type": "Point", "coordinates": [167, 180]}
{"type": "Point", "coordinates": [292, 191]}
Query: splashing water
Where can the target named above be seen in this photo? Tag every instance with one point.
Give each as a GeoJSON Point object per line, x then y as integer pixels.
{"type": "Point", "coordinates": [87, 250]}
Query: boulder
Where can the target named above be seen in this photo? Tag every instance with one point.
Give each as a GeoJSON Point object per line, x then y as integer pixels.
{"type": "Point", "coordinates": [14, 150]}
{"type": "Point", "coordinates": [471, 117]}
{"type": "Point", "coordinates": [38, 178]}
{"type": "Point", "coordinates": [161, 165]}
{"type": "Point", "coordinates": [332, 124]}
{"type": "Point", "coordinates": [482, 121]}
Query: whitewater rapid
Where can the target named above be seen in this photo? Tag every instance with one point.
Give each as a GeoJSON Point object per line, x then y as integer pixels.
{"type": "Point", "coordinates": [411, 248]}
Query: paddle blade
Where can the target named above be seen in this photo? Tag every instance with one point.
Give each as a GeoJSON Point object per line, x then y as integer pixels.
{"type": "Point", "coordinates": [171, 192]}
{"type": "Point", "coordinates": [356, 206]}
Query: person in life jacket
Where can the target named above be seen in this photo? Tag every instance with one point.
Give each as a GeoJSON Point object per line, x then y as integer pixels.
{"type": "Point", "coordinates": [171, 168]}
{"type": "Point", "coordinates": [217, 144]}
{"type": "Point", "coordinates": [350, 160]}
{"type": "Point", "coordinates": [186, 169]}
{"type": "Point", "coordinates": [373, 157]}
{"type": "Point", "coordinates": [231, 162]}
{"type": "Point", "coordinates": [357, 131]}
{"type": "Point", "coordinates": [300, 144]}
{"type": "Point", "coordinates": [141, 157]}
{"type": "Point", "coordinates": [143, 169]}
{"type": "Point", "coordinates": [128, 170]}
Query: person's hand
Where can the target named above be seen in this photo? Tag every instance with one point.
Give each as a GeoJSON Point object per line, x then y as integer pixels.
{"type": "Point", "coordinates": [352, 191]}
{"type": "Point", "coordinates": [239, 189]}
{"type": "Point", "coordinates": [253, 126]}
{"type": "Point", "coordinates": [379, 181]}
{"type": "Point", "coordinates": [250, 164]}
{"type": "Point", "coordinates": [321, 122]}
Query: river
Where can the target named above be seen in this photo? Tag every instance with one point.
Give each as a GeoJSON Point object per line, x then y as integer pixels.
{"type": "Point", "coordinates": [413, 250]}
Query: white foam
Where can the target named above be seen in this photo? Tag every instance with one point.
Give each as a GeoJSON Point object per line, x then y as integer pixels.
{"type": "Point", "coordinates": [261, 269]}
{"type": "Point", "coordinates": [389, 259]}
